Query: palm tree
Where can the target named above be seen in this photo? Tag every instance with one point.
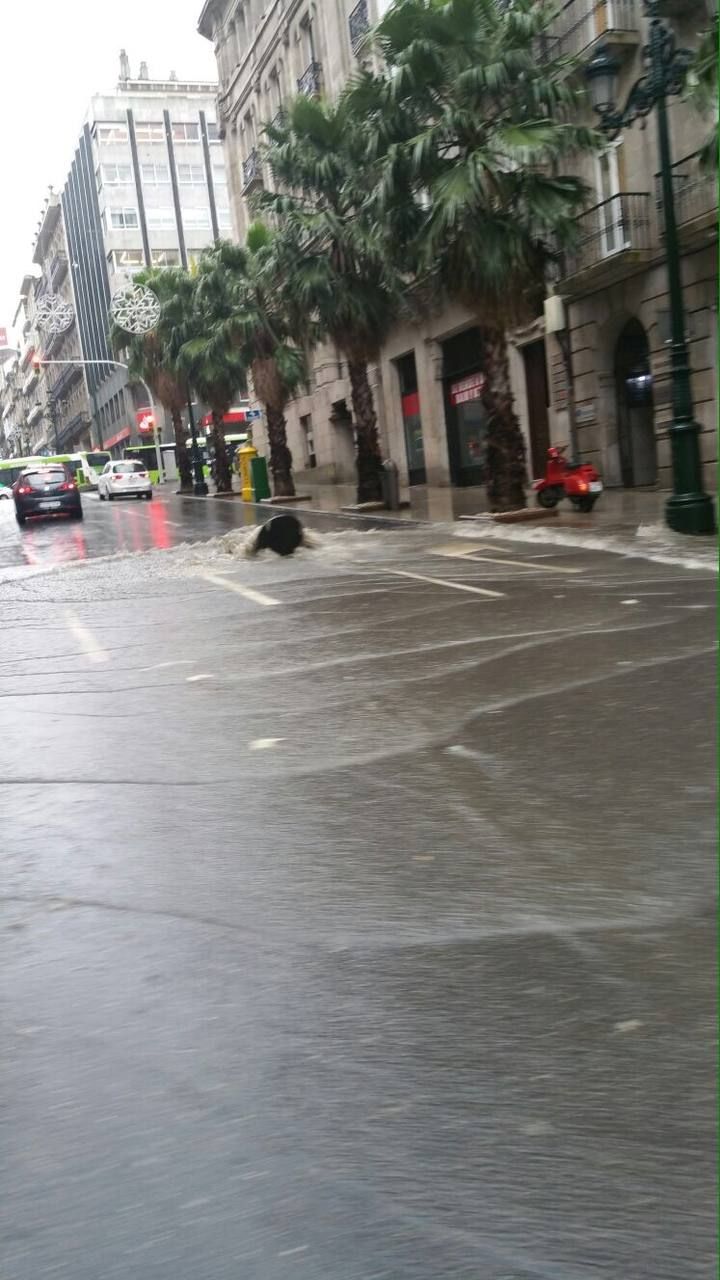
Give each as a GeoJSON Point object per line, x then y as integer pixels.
{"type": "Point", "coordinates": [210, 360]}
{"type": "Point", "coordinates": [154, 356]}
{"type": "Point", "coordinates": [332, 252]}
{"type": "Point", "coordinates": [259, 326]}
{"type": "Point", "coordinates": [473, 124]}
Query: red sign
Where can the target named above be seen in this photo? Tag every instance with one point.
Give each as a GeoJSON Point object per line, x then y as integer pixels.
{"type": "Point", "coordinates": [234, 418]}
{"type": "Point", "coordinates": [3, 338]}
{"type": "Point", "coordinates": [145, 420]}
{"type": "Point", "coordinates": [470, 388]}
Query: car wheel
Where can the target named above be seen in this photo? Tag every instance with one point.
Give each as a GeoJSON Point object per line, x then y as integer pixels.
{"type": "Point", "coordinates": [110, 496]}
{"type": "Point", "coordinates": [148, 495]}
{"type": "Point", "coordinates": [101, 495]}
{"type": "Point", "coordinates": [79, 514]}
{"type": "Point", "coordinates": [20, 518]}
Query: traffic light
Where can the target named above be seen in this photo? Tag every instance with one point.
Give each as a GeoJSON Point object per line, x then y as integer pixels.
{"type": "Point", "coordinates": [146, 423]}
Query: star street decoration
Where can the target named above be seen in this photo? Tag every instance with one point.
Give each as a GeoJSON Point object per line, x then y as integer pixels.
{"type": "Point", "coordinates": [54, 315]}
{"type": "Point", "coordinates": [135, 309]}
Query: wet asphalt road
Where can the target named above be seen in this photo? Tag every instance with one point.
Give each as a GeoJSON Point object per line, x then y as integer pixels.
{"type": "Point", "coordinates": [353, 924]}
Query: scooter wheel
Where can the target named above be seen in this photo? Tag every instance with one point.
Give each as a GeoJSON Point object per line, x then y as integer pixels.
{"type": "Point", "coordinates": [548, 498]}
{"type": "Point", "coordinates": [586, 504]}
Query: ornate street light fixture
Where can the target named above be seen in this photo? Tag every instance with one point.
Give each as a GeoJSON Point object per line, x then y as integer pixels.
{"type": "Point", "coordinates": [690, 509]}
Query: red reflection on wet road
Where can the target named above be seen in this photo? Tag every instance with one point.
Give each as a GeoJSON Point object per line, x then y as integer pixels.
{"type": "Point", "coordinates": [159, 530]}
{"type": "Point", "coordinates": [57, 541]}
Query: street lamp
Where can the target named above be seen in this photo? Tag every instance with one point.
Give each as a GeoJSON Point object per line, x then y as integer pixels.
{"type": "Point", "coordinates": [689, 510]}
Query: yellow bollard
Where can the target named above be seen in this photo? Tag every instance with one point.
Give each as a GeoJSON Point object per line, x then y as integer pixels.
{"type": "Point", "coordinates": [245, 457]}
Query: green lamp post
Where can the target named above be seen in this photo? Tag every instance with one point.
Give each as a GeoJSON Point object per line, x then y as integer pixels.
{"type": "Point", "coordinates": [689, 510]}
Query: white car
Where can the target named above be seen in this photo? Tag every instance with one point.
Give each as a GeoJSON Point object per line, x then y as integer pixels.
{"type": "Point", "coordinates": [125, 479]}
{"type": "Point", "coordinates": [5, 492]}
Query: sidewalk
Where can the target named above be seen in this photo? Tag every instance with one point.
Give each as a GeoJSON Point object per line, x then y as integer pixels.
{"type": "Point", "coordinates": [626, 521]}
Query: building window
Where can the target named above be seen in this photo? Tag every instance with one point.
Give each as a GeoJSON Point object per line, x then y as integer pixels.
{"type": "Point", "coordinates": [186, 132]}
{"type": "Point", "coordinates": [116, 175]}
{"type": "Point", "coordinates": [123, 219]}
{"type": "Point", "coordinates": [224, 219]}
{"type": "Point", "coordinates": [192, 175]}
{"type": "Point", "coordinates": [126, 260]}
{"type": "Point", "coordinates": [149, 132]}
{"type": "Point", "coordinates": [306, 427]}
{"type": "Point", "coordinates": [107, 133]}
{"type": "Point", "coordinates": [165, 258]}
{"type": "Point", "coordinates": [196, 219]}
{"type": "Point", "coordinates": [213, 132]}
{"type": "Point", "coordinates": [155, 175]}
{"type": "Point", "coordinates": [161, 219]}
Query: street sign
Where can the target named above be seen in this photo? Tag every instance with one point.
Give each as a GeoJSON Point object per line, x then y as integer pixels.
{"type": "Point", "coordinates": [252, 415]}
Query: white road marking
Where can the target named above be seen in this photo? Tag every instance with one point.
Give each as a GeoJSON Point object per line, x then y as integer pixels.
{"type": "Point", "coordinates": [629, 601]}
{"type": "Point", "coordinates": [257, 597]}
{"type": "Point", "coordinates": [442, 582]}
{"type": "Point", "coordinates": [85, 638]}
{"type": "Point", "coordinates": [204, 675]}
{"type": "Point", "coordinates": [530, 564]}
{"type": "Point", "coordinates": [176, 662]}
{"type": "Point", "coordinates": [264, 744]}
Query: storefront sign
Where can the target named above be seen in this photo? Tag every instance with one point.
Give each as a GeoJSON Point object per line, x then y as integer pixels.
{"type": "Point", "coordinates": [466, 389]}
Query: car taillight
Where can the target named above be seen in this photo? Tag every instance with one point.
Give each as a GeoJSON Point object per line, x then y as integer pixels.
{"type": "Point", "coordinates": [141, 475]}
{"type": "Point", "coordinates": [69, 484]}
{"type": "Point", "coordinates": [117, 479]}
{"type": "Point", "coordinates": [24, 488]}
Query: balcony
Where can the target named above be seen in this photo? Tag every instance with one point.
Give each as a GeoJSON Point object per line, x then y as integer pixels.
{"type": "Point", "coordinates": [58, 269]}
{"type": "Point", "coordinates": [310, 81]}
{"type": "Point", "coordinates": [615, 239]}
{"type": "Point", "coordinates": [77, 424]}
{"type": "Point", "coordinates": [696, 204]}
{"type": "Point", "coordinates": [252, 177]}
{"type": "Point", "coordinates": [70, 374]}
{"type": "Point", "coordinates": [34, 415]}
{"type": "Point", "coordinates": [359, 25]}
{"type": "Point", "coordinates": [583, 24]}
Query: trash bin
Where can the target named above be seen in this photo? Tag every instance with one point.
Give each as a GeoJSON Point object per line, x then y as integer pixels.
{"type": "Point", "coordinates": [390, 485]}
{"type": "Point", "coordinates": [259, 478]}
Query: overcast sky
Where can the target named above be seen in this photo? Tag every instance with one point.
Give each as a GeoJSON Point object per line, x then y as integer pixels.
{"type": "Point", "coordinates": [54, 55]}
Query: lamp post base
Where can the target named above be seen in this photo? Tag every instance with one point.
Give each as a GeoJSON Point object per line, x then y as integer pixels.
{"type": "Point", "coordinates": [691, 513]}
{"type": "Point", "coordinates": [200, 489]}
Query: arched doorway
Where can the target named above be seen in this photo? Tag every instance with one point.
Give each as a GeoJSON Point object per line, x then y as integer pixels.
{"type": "Point", "coordinates": [635, 412]}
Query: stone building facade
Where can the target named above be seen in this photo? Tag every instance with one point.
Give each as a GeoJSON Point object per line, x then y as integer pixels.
{"type": "Point", "coordinates": [593, 369]}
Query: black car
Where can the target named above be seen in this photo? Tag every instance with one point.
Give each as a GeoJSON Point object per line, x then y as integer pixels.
{"type": "Point", "coordinates": [46, 491]}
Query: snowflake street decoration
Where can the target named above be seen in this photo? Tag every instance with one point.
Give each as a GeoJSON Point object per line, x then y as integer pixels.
{"type": "Point", "coordinates": [135, 309]}
{"type": "Point", "coordinates": [54, 315]}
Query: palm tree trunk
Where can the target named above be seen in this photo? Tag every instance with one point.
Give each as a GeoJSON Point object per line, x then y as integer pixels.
{"type": "Point", "coordinates": [223, 474]}
{"type": "Point", "coordinates": [181, 453]}
{"type": "Point", "coordinates": [368, 461]}
{"type": "Point", "coordinates": [505, 448]}
{"type": "Point", "coordinates": [280, 455]}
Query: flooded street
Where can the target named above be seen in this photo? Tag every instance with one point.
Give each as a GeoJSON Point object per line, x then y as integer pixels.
{"type": "Point", "coordinates": [357, 909]}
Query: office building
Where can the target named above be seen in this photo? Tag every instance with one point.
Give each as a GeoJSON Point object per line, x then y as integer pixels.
{"type": "Point", "coordinates": [146, 188]}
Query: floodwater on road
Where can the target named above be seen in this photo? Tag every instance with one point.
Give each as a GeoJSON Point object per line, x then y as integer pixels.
{"type": "Point", "coordinates": [356, 910]}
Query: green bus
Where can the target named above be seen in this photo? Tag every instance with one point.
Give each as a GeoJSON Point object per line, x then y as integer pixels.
{"type": "Point", "coordinates": [233, 440]}
{"type": "Point", "coordinates": [85, 466]}
{"type": "Point", "coordinates": [145, 453]}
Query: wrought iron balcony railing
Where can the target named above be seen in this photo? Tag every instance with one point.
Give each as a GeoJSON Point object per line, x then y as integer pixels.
{"type": "Point", "coordinates": [359, 25]}
{"type": "Point", "coordinates": [252, 170]}
{"type": "Point", "coordinates": [583, 22]}
{"type": "Point", "coordinates": [616, 226]}
{"type": "Point", "coordinates": [311, 80]}
{"type": "Point", "coordinates": [695, 190]}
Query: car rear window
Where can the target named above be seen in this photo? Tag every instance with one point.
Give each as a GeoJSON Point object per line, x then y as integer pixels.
{"type": "Point", "coordinates": [51, 475]}
{"type": "Point", "coordinates": [127, 468]}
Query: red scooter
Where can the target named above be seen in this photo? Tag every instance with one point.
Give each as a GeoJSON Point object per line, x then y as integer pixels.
{"type": "Point", "coordinates": [578, 481]}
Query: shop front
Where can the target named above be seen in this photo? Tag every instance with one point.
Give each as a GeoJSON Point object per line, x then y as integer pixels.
{"type": "Point", "coordinates": [465, 417]}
